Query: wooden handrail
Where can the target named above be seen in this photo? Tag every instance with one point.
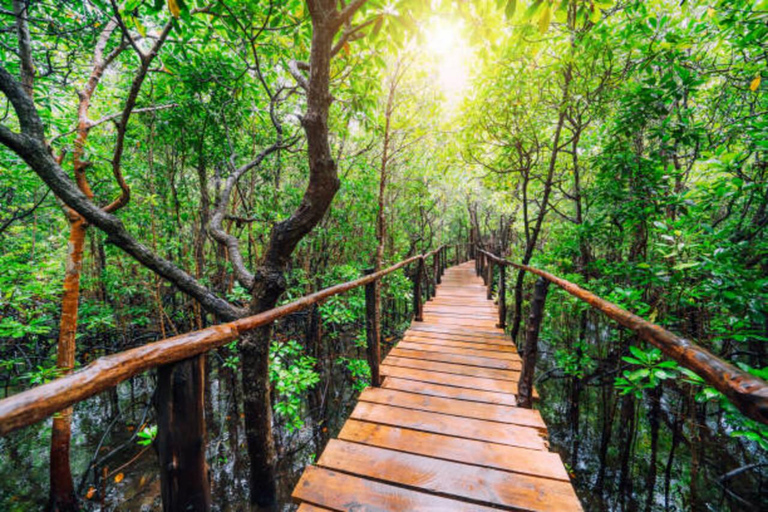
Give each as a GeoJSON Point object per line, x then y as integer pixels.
{"type": "Point", "coordinates": [747, 392]}
{"type": "Point", "coordinates": [36, 404]}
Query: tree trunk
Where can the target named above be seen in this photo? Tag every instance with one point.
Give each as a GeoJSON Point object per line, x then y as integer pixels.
{"type": "Point", "coordinates": [184, 478]}
{"type": "Point", "coordinates": [62, 491]}
{"type": "Point", "coordinates": [525, 386]}
{"type": "Point", "coordinates": [257, 406]}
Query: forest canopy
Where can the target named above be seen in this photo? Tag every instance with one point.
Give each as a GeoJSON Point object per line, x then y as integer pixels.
{"type": "Point", "coordinates": [167, 166]}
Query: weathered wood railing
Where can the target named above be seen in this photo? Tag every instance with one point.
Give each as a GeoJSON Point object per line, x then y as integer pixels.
{"type": "Point", "coordinates": [181, 429]}
{"type": "Point", "coordinates": [746, 391]}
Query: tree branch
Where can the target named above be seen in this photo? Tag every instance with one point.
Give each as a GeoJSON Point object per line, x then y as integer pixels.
{"type": "Point", "coordinates": [30, 146]}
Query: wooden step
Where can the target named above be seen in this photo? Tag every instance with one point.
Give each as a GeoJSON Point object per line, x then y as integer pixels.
{"type": "Point", "coordinates": [431, 389]}
{"type": "Point", "coordinates": [481, 430]}
{"type": "Point", "coordinates": [489, 487]}
{"type": "Point", "coordinates": [498, 456]}
{"type": "Point", "coordinates": [342, 492]}
{"type": "Point", "coordinates": [451, 406]}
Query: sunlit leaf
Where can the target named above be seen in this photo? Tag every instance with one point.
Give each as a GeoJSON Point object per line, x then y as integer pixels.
{"type": "Point", "coordinates": [544, 20]}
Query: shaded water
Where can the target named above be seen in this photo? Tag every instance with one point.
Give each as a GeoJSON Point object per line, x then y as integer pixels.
{"type": "Point", "coordinates": [113, 472]}
{"type": "Point", "coordinates": [608, 451]}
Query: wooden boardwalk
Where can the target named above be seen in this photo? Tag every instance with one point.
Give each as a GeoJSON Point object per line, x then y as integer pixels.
{"type": "Point", "coordinates": [443, 431]}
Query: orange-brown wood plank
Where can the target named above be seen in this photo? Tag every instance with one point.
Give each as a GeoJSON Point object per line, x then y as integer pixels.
{"type": "Point", "coordinates": [452, 347]}
{"type": "Point", "coordinates": [456, 358]}
{"type": "Point", "coordinates": [481, 430]}
{"type": "Point", "coordinates": [490, 412]}
{"type": "Point", "coordinates": [431, 389]}
{"type": "Point", "coordinates": [446, 336]}
{"type": "Point", "coordinates": [450, 379]}
{"type": "Point", "coordinates": [342, 492]}
{"type": "Point", "coordinates": [458, 369]}
{"type": "Point", "coordinates": [492, 455]}
{"type": "Point", "coordinates": [492, 487]}
{"type": "Point", "coordinates": [306, 507]}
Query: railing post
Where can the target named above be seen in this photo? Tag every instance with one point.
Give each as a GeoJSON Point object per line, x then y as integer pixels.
{"type": "Point", "coordinates": [525, 386]}
{"type": "Point", "coordinates": [418, 307]}
{"type": "Point", "coordinates": [184, 483]}
{"type": "Point", "coordinates": [436, 269]}
{"type": "Point", "coordinates": [502, 297]}
{"type": "Point", "coordinates": [372, 330]}
{"type": "Point", "coordinates": [489, 279]}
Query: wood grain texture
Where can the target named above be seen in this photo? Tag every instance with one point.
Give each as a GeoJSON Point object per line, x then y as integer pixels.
{"type": "Point", "coordinates": [489, 487]}
{"type": "Point", "coordinates": [468, 394]}
{"type": "Point", "coordinates": [482, 430]}
{"type": "Point", "coordinates": [451, 357]}
{"type": "Point", "coordinates": [342, 492]}
{"type": "Point", "coordinates": [450, 406]}
{"type": "Point", "coordinates": [492, 455]}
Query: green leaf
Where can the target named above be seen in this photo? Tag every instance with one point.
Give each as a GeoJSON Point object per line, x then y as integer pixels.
{"type": "Point", "coordinates": [510, 9]}
{"type": "Point", "coordinates": [545, 19]}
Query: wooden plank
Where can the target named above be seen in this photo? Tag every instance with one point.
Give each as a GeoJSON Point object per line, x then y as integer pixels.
{"type": "Point", "coordinates": [448, 357]}
{"type": "Point", "coordinates": [507, 458]}
{"type": "Point", "coordinates": [488, 412]}
{"type": "Point", "coordinates": [458, 369]}
{"type": "Point", "coordinates": [450, 379]}
{"type": "Point", "coordinates": [306, 507]}
{"type": "Point", "coordinates": [342, 492]}
{"type": "Point", "coordinates": [457, 336]}
{"type": "Point", "coordinates": [481, 430]}
{"type": "Point", "coordinates": [460, 322]}
{"type": "Point", "coordinates": [452, 348]}
{"type": "Point", "coordinates": [489, 487]}
{"type": "Point", "coordinates": [425, 388]}
{"type": "Point", "coordinates": [468, 313]}
{"type": "Point", "coordinates": [436, 327]}
{"type": "Point", "coordinates": [498, 346]}
{"type": "Point", "coordinates": [463, 344]}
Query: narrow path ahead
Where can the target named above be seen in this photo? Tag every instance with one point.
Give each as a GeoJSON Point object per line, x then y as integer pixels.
{"type": "Point", "coordinates": [443, 431]}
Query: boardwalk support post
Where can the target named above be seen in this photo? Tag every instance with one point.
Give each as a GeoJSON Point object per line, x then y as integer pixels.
{"type": "Point", "coordinates": [184, 481]}
{"type": "Point", "coordinates": [418, 307]}
{"type": "Point", "coordinates": [372, 330]}
{"type": "Point", "coordinates": [502, 297]}
{"type": "Point", "coordinates": [437, 269]}
{"type": "Point", "coordinates": [525, 386]}
{"type": "Point", "coordinates": [489, 279]}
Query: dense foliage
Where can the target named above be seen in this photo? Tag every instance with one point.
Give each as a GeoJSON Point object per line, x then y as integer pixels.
{"type": "Point", "coordinates": [621, 145]}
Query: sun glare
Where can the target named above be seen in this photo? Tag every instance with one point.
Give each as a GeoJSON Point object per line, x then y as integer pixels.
{"type": "Point", "coordinates": [446, 44]}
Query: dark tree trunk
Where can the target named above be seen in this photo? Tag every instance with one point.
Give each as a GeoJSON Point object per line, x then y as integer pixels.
{"type": "Point", "coordinates": [257, 407]}
{"type": "Point", "coordinates": [184, 478]}
{"type": "Point", "coordinates": [525, 386]}
{"type": "Point", "coordinates": [654, 399]}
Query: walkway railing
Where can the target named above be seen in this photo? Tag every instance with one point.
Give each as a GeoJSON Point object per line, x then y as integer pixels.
{"type": "Point", "coordinates": [176, 422]}
{"type": "Point", "coordinates": [746, 391]}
